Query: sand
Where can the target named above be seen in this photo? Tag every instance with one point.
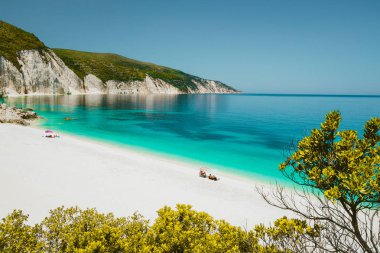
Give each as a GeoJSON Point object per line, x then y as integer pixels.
{"type": "Point", "coordinates": [38, 174]}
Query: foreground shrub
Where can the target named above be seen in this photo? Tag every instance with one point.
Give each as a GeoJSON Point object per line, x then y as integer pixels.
{"type": "Point", "coordinates": [181, 229]}
{"type": "Point", "coordinates": [76, 230]}
{"type": "Point", "coordinates": [186, 230]}
{"type": "Point", "coordinates": [16, 236]}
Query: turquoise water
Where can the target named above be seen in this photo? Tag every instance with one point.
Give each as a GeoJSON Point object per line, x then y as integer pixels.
{"type": "Point", "coordinates": [239, 133]}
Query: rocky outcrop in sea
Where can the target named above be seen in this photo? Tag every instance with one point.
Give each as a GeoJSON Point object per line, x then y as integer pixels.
{"type": "Point", "coordinates": [14, 115]}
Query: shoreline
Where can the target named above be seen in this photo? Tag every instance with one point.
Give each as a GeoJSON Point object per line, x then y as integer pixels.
{"type": "Point", "coordinates": [73, 171]}
{"type": "Point", "coordinates": [105, 93]}
{"type": "Point", "coordinates": [221, 171]}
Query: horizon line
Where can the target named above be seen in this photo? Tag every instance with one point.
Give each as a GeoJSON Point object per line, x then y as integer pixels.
{"type": "Point", "coordinates": [310, 94]}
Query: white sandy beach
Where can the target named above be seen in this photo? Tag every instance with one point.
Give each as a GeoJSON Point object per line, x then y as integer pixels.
{"type": "Point", "coordinates": [39, 174]}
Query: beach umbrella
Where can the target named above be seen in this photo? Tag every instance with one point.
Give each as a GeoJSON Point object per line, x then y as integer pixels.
{"type": "Point", "coordinates": [49, 131]}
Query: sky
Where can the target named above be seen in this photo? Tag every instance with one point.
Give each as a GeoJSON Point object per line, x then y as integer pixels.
{"type": "Point", "coordinates": [266, 46]}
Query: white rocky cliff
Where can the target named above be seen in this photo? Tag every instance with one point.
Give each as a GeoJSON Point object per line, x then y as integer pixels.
{"type": "Point", "coordinates": [43, 72]}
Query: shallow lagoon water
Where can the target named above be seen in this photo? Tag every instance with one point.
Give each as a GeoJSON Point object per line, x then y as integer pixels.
{"type": "Point", "coordinates": [239, 133]}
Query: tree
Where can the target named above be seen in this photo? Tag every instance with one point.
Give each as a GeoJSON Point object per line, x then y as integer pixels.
{"type": "Point", "coordinates": [339, 178]}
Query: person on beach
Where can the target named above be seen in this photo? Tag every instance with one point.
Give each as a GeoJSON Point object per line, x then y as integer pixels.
{"type": "Point", "coordinates": [212, 177]}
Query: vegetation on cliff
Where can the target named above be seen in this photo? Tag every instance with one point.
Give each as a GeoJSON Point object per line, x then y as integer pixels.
{"type": "Point", "coordinates": [115, 67]}
{"type": "Point", "coordinates": [13, 40]}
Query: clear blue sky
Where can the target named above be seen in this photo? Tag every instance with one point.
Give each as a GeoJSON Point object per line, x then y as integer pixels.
{"type": "Point", "coordinates": [267, 46]}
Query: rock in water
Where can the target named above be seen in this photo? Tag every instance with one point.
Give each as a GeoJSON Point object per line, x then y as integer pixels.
{"type": "Point", "coordinates": [16, 115]}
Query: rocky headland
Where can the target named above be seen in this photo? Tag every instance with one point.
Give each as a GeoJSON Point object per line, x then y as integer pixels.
{"type": "Point", "coordinates": [29, 67]}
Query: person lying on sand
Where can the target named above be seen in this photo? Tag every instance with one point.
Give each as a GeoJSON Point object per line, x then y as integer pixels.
{"type": "Point", "coordinates": [202, 173]}
{"type": "Point", "coordinates": [50, 134]}
{"type": "Point", "coordinates": [212, 177]}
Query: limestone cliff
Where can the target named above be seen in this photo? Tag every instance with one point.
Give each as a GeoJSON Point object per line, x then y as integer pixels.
{"type": "Point", "coordinates": [43, 72]}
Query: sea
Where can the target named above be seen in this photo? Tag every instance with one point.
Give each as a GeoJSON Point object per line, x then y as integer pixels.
{"type": "Point", "coordinates": [247, 135]}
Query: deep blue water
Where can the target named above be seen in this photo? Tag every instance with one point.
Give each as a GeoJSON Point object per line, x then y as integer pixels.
{"type": "Point", "coordinates": [241, 133]}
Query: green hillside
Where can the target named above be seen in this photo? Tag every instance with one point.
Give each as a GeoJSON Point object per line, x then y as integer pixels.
{"type": "Point", "coordinates": [116, 67]}
{"type": "Point", "coordinates": [13, 40]}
